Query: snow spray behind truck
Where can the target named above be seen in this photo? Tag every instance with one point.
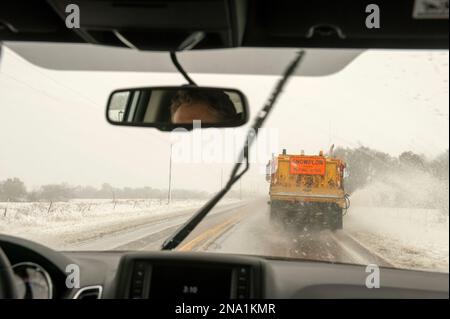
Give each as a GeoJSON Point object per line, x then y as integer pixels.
{"type": "Point", "coordinates": [307, 190]}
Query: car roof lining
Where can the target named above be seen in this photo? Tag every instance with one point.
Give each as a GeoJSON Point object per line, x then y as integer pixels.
{"type": "Point", "coordinates": [163, 25]}
{"type": "Point", "coordinates": [37, 31]}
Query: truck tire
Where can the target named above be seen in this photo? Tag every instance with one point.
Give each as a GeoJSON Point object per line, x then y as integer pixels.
{"type": "Point", "coordinates": [277, 214]}
{"type": "Point", "coordinates": [274, 214]}
{"type": "Point", "coordinates": [337, 219]}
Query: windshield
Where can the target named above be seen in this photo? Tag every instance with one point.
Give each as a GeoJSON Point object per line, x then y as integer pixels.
{"type": "Point", "coordinates": [71, 181]}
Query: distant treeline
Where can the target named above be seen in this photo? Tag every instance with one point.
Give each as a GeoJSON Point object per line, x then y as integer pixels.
{"type": "Point", "coordinates": [13, 189]}
{"type": "Point", "coordinates": [365, 164]}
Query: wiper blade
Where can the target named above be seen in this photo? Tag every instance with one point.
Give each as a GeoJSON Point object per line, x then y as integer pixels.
{"type": "Point", "coordinates": [180, 234]}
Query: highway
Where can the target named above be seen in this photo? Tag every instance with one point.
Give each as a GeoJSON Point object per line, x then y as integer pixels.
{"type": "Point", "coordinates": [242, 228]}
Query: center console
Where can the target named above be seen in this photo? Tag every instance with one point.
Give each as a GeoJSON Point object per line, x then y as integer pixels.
{"type": "Point", "coordinates": [188, 276]}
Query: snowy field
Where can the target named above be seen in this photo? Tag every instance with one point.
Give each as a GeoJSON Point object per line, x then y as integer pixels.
{"type": "Point", "coordinates": [410, 233]}
{"type": "Point", "coordinates": [61, 224]}
{"type": "Point", "coordinates": [407, 238]}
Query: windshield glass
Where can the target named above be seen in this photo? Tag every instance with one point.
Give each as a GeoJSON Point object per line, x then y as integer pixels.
{"type": "Point", "coordinates": [71, 181]}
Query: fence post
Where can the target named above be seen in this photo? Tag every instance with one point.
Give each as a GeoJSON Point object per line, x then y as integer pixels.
{"type": "Point", "coordinates": [49, 207]}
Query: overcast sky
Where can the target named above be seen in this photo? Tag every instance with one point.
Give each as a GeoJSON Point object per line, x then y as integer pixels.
{"type": "Point", "coordinates": [53, 127]}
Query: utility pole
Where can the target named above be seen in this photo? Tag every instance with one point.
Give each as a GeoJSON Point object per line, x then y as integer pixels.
{"type": "Point", "coordinates": [329, 133]}
{"type": "Point", "coordinates": [169, 194]}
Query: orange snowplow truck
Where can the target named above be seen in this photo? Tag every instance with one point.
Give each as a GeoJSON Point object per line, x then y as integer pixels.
{"type": "Point", "coordinates": [307, 191]}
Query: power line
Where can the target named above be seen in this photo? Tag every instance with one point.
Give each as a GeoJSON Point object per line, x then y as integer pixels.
{"type": "Point", "coordinates": [35, 68]}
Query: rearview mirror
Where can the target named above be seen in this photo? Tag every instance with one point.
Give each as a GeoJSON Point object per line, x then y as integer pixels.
{"type": "Point", "coordinates": [167, 108]}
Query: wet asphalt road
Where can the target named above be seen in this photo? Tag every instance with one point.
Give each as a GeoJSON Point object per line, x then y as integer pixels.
{"type": "Point", "coordinates": [243, 228]}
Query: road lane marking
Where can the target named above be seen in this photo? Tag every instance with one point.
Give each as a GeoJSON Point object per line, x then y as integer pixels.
{"type": "Point", "coordinates": [133, 232]}
{"type": "Point", "coordinates": [210, 233]}
{"type": "Point", "coordinates": [360, 253]}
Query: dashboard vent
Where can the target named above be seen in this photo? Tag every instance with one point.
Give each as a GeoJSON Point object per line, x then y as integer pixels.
{"type": "Point", "coordinates": [90, 292]}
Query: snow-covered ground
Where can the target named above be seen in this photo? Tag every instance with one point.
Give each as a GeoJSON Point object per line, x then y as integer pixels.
{"type": "Point", "coordinates": [404, 218]}
{"type": "Point", "coordinates": [66, 223]}
{"type": "Point", "coordinates": [406, 237]}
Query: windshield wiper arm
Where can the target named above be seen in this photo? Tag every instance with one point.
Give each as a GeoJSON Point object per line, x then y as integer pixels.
{"type": "Point", "coordinates": [180, 234]}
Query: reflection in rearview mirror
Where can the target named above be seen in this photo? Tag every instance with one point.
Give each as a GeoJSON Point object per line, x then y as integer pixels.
{"type": "Point", "coordinates": [170, 107]}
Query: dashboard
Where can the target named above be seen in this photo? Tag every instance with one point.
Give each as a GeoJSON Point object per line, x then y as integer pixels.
{"type": "Point", "coordinates": [41, 273]}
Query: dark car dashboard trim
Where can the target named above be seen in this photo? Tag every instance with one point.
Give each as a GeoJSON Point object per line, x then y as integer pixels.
{"type": "Point", "coordinates": [110, 273]}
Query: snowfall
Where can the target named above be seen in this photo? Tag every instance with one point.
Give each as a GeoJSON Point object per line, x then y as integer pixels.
{"type": "Point", "coordinates": [414, 237]}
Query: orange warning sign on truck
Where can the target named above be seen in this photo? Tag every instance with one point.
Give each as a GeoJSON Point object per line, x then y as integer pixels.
{"type": "Point", "coordinates": [307, 165]}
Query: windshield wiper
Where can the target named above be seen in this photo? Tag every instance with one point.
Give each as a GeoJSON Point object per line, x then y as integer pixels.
{"type": "Point", "coordinates": [180, 234]}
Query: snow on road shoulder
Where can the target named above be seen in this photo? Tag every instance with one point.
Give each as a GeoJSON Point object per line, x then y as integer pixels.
{"type": "Point", "coordinates": [412, 234]}
{"type": "Point", "coordinates": [62, 223]}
